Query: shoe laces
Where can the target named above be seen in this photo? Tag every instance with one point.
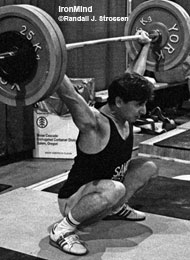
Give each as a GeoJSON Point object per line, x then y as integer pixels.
{"type": "Point", "coordinates": [71, 238]}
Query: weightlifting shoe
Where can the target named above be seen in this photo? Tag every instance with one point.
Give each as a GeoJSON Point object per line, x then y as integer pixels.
{"type": "Point", "coordinates": [68, 242]}
{"type": "Point", "coordinates": [127, 213]}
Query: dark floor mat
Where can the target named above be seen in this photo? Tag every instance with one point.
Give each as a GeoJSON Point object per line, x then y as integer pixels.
{"type": "Point", "coordinates": [4, 187]}
{"type": "Point", "coordinates": [7, 254]}
{"type": "Point", "coordinates": [179, 141]}
{"type": "Point", "coordinates": [164, 196]}
{"type": "Point", "coordinates": [55, 188]}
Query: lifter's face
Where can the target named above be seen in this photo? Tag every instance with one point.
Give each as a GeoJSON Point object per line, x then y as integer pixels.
{"type": "Point", "coordinates": [132, 110]}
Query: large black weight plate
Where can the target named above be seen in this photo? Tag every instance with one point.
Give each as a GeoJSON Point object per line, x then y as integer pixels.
{"type": "Point", "coordinates": [61, 40]}
{"type": "Point", "coordinates": [173, 22]}
{"type": "Point", "coordinates": [46, 44]}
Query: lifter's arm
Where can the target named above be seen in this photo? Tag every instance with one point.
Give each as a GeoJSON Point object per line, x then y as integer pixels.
{"type": "Point", "coordinates": [83, 116]}
{"type": "Point", "coordinates": [139, 64]}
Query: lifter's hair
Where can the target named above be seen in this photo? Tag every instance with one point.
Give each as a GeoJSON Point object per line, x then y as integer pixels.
{"type": "Point", "coordinates": [130, 87]}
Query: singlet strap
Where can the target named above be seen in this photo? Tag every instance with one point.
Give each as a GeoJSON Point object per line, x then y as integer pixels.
{"type": "Point", "coordinates": [115, 127]}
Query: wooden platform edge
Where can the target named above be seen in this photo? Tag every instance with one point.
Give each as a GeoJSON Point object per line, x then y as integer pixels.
{"type": "Point", "coordinates": [148, 149]}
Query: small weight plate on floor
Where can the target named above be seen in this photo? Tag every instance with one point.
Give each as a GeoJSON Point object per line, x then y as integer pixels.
{"type": "Point", "coordinates": [28, 24]}
{"type": "Point", "coordinates": [174, 24]}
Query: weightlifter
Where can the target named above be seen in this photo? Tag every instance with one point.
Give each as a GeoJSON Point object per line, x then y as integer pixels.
{"type": "Point", "coordinates": [104, 177]}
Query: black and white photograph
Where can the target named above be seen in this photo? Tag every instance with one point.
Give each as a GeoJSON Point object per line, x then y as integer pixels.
{"type": "Point", "coordinates": [94, 129]}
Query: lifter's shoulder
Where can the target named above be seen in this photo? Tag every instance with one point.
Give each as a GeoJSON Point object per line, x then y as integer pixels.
{"type": "Point", "coordinates": [100, 117]}
{"type": "Point", "coordinates": [99, 120]}
{"type": "Point", "coordinates": [102, 121]}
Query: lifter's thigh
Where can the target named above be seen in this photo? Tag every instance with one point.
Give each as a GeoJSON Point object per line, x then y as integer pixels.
{"type": "Point", "coordinates": [114, 190]}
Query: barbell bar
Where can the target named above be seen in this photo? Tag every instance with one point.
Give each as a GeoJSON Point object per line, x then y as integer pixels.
{"type": "Point", "coordinates": [11, 72]}
{"type": "Point", "coordinates": [9, 60]}
{"type": "Point", "coordinates": [71, 46]}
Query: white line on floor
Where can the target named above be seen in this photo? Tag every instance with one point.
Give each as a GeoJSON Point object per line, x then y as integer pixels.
{"type": "Point", "coordinates": [49, 182]}
{"type": "Point", "coordinates": [164, 158]}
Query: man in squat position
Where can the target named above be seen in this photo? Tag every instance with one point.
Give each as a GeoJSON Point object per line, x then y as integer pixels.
{"type": "Point", "coordinates": [104, 177]}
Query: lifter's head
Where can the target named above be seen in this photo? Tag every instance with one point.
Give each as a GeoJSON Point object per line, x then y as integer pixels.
{"type": "Point", "coordinates": [130, 87]}
{"type": "Point", "coordinates": [128, 94]}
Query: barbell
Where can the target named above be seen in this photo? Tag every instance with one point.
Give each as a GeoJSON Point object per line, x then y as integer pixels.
{"type": "Point", "coordinates": [33, 52]}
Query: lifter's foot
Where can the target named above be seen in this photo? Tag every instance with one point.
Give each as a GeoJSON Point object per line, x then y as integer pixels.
{"type": "Point", "coordinates": [68, 242]}
{"type": "Point", "coordinates": [127, 213]}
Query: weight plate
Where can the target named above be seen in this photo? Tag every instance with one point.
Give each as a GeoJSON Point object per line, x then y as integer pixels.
{"type": "Point", "coordinates": [173, 22]}
{"type": "Point", "coordinates": [61, 40]}
{"type": "Point", "coordinates": [45, 42]}
{"type": "Point", "coordinates": [178, 73]}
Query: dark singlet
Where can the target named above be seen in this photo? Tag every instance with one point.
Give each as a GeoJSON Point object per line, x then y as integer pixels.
{"type": "Point", "coordinates": [110, 163]}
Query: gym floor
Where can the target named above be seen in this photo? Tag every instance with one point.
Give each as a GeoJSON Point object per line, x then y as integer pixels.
{"type": "Point", "coordinates": [29, 209]}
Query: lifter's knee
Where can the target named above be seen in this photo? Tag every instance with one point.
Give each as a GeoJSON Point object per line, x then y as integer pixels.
{"type": "Point", "coordinates": [151, 169]}
{"type": "Point", "coordinates": [143, 169]}
{"type": "Point", "coordinates": [113, 192]}
{"type": "Point", "coordinates": [149, 172]}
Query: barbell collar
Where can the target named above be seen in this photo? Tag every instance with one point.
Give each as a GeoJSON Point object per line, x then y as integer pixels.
{"type": "Point", "coordinates": [17, 59]}
{"type": "Point", "coordinates": [7, 54]}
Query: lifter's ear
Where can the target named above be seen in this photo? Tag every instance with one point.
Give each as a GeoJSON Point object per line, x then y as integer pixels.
{"type": "Point", "coordinates": [118, 102]}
